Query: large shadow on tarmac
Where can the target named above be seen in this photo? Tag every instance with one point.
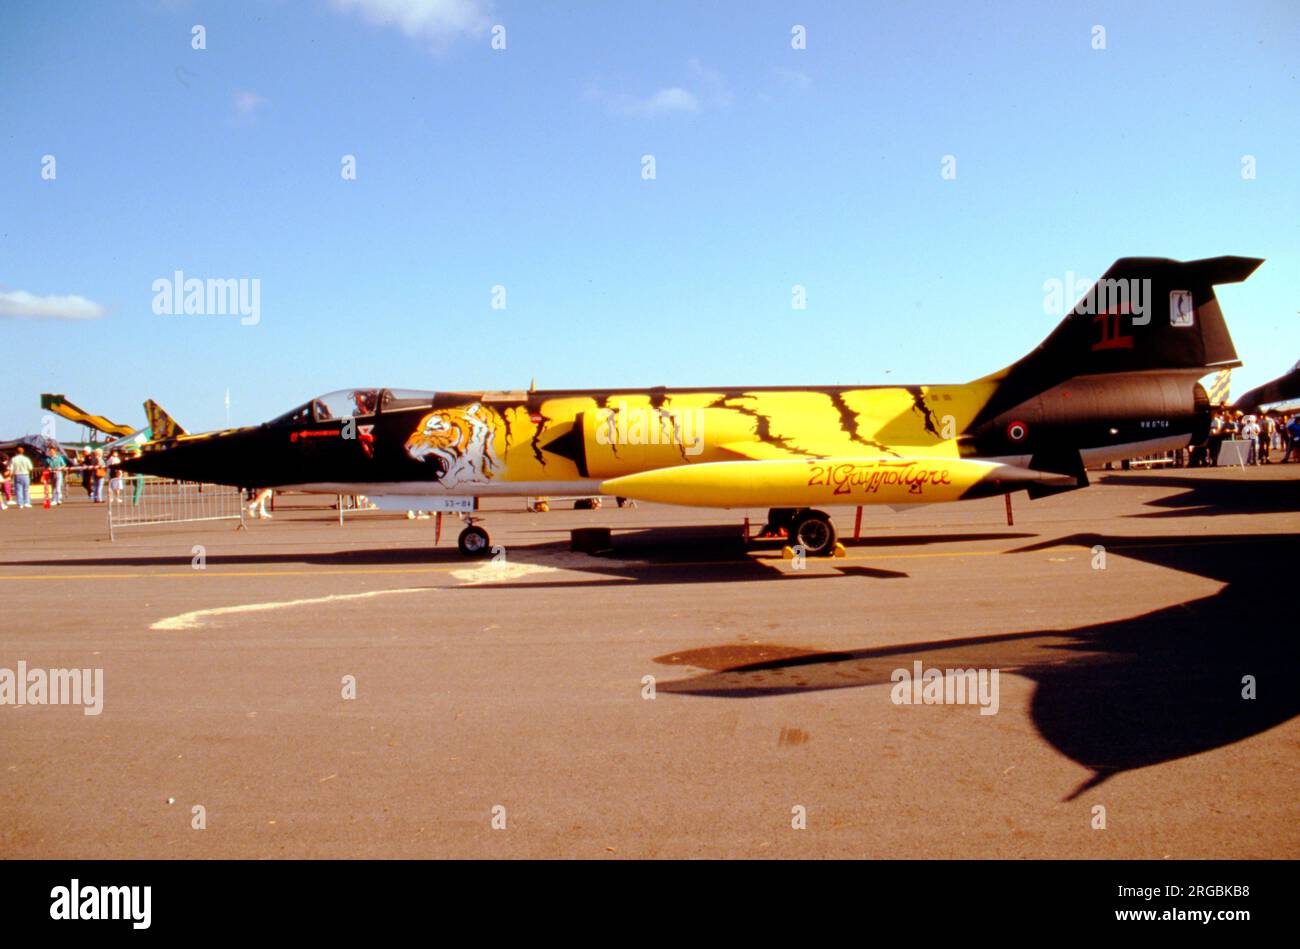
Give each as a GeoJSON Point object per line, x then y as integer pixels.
{"type": "Point", "coordinates": [1200, 497]}
{"type": "Point", "coordinates": [676, 554]}
{"type": "Point", "coordinates": [1112, 696]}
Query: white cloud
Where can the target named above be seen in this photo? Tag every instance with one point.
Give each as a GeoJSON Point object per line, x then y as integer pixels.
{"type": "Point", "coordinates": [23, 304]}
{"type": "Point", "coordinates": [713, 88]}
{"type": "Point", "coordinates": [794, 78]}
{"type": "Point", "coordinates": [247, 102]}
{"type": "Point", "coordinates": [673, 99]}
{"type": "Point", "coordinates": [424, 19]}
{"type": "Point", "coordinates": [706, 90]}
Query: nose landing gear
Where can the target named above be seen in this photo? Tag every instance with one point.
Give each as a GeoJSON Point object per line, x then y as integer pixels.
{"type": "Point", "coordinates": [474, 541]}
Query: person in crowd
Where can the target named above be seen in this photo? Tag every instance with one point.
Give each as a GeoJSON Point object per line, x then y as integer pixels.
{"type": "Point", "coordinates": [1251, 434]}
{"type": "Point", "coordinates": [257, 507]}
{"type": "Point", "coordinates": [115, 482]}
{"type": "Point", "coordinates": [99, 476]}
{"type": "Point", "coordinates": [57, 464]}
{"type": "Point", "coordinates": [1264, 440]}
{"type": "Point", "coordinates": [20, 466]}
{"type": "Point", "coordinates": [1215, 440]}
{"type": "Point", "coordinates": [6, 492]}
{"type": "Point", "coordinates": [1232, 425]}
{"type": "Point", "coordinates": [1293, 430]}
{"type": "Point", "coordinates": [87, 473]}
{"type": "Point", "coordinates": [137, 483]}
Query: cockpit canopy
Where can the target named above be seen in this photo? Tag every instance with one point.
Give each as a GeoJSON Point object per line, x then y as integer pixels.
{"type": "Point", "coordinates": [356, 403]}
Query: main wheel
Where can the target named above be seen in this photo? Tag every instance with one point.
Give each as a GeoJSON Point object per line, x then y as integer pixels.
{"type": "Point", "coordinates": [813, 531]}
{"type": "Point", "coordinates": [474, 541]}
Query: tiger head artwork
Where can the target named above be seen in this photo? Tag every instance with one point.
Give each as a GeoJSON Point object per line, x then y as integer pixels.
{"type": "Point", "coordinates": [461, 441]}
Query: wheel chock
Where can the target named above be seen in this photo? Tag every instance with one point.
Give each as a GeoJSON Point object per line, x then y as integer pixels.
{"type": "Point", "coordinates": [839, 550]}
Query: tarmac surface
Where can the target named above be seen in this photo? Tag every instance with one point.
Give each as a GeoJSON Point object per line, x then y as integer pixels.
{"type": "Point", "coordinates": [517, 692]}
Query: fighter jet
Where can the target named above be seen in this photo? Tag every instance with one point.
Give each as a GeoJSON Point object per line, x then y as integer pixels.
{"type": "Point", "coordinates": [1117, 378]}
{"type": "Point", "coordinates": [1285, 388]}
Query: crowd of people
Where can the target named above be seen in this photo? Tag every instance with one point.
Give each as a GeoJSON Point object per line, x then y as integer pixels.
{"type": "Point", "coordinates": [1270, 437]}
{"type": "Point", "coordinates": [100, 474]}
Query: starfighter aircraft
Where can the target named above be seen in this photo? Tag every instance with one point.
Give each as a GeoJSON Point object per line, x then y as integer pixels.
{"type": "Point", "coordinates": [1117, 378]}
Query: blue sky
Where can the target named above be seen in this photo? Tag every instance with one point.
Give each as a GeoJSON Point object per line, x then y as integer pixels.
{"type": "Point", "coordinates": [522, 168]}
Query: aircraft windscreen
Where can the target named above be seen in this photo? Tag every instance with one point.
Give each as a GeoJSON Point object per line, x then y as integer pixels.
{"type": "Point", "coordinates": [356, 403]}
{"type": "Point", "coordinates": [396, 399]}
{"type": "Point", "coordinates": [346, 403]}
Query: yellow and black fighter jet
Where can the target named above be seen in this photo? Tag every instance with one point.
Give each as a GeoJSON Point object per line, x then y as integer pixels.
{"type": "Point", "coordinates": [1118, 377]}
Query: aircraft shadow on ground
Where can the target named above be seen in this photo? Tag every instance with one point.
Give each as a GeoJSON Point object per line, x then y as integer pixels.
{"type": "Point", "coordinates": [704, 554]}
{"type": "Point", "coordinates": [1216, 496]}
{"type": "Point", "coordinates": [1111, 696]}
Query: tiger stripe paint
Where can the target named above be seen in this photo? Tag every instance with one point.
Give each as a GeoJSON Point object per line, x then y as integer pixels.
{"type": "Point", "coordinates": [1078, 398]}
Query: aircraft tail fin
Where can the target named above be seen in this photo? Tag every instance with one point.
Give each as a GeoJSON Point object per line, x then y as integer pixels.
{"type": "Point", "coordinates": [1145, 313]}
{"type": "Point", "coordinates": [1221, 387]}
{"type": "Point", "coordinates": [161, 424]}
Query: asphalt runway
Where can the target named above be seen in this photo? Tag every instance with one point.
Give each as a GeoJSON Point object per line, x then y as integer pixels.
{"type": "Point", "coordinates": [517, 692]}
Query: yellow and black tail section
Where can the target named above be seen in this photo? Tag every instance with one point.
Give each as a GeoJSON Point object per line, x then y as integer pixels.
{"type": "Point", "coordinates": [1145, 314]}
{"type": "Point", "coordinates": [161, 425]}
{"type": "Point", "coordinates": [60, 406]}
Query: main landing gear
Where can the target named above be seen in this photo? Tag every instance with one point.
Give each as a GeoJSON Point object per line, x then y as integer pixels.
{"type": "Point", "coordinates": [803, 527]}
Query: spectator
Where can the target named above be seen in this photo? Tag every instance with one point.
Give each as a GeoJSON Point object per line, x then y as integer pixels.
{"type": "Point", "coordinates": [137, 480]}
{"type": "Point", "coordinates": [257, 507]}
{"type": "Point", "coordinates": [6, 494]}
{"type": "Point", "coordinates": [57, 465]}
{"type": "Point", "coordinates": [1215, 441]}
{"type": "Point", "coordinates": [87, 473]}
{"type": "Point", "coordinates": [21, 466]}
{"type": "Point", "coordinates": [1264, 439]}
{"type": "Point", "coordinates": [115, 483]}
{"type": "Point", "coordinates": [1250, 433]}
{"type": "Point", "coordinates": [99, 476]}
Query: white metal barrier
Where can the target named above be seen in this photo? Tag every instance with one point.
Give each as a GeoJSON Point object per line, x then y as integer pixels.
{"type": "Point", "coordinates": [146, 500]}
{"type": "Point", "coordinates": [1153, 461]}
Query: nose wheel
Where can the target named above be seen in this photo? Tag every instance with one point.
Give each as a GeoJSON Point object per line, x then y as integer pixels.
{"type": "Point", "coordinates": [474, 541]}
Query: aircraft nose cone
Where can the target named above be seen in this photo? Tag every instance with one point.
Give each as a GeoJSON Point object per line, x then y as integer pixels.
{"type": "Point", "coordinates": [220, 458]}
